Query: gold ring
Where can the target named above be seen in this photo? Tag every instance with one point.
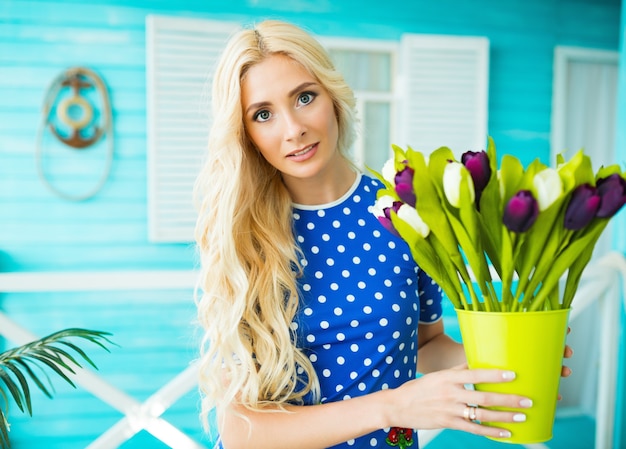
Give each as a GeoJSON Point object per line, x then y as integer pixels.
{"type": "Point", "coordinates": [469, 413]}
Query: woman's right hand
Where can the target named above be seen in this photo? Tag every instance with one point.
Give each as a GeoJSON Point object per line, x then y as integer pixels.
{"type": "Point", "coordinates": [440, 399]}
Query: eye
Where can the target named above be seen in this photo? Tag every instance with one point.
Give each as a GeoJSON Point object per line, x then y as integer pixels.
{"type": "Point", "coordinates": [262, 116]}
{"type": "Point", "coordinates": [306, 97]}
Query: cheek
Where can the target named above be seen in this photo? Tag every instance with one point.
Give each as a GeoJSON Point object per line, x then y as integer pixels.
{"type": "Point", "coordinates": [262, 138]}
{"type": "Point", "coordinates": [333, 126]}
{"type": "Point", "coordinates": [267, 144]}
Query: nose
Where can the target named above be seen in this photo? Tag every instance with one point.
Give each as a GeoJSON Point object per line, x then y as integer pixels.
{"type": "Point", "coordinates": [294, 126]}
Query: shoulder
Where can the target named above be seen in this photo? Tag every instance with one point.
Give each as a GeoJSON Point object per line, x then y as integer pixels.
{"type": "Point", "coordinates": [368, 186]}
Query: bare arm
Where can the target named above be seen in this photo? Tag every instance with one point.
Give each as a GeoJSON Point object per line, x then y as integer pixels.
{"type": "Point", "coordinates": [304, 427]}
{"type": "Point", "coordinates": [436, 350]}
{"type": "Point", "coordinates": [436, 400]}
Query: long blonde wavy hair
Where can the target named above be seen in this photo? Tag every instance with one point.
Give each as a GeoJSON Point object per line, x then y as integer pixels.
{"type": "Point", "coordinates": [247, 292]}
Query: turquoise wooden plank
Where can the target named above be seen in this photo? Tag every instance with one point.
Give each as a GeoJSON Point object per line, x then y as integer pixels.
{"type": "Point", "coordinates": [54, 256]}
{"type": "Point", "coordinates": [28, 99]}
{"type": "Point", "coordinates": [74, 232]}
{"type": "Point", "coordinates": [116, 188]}
{"type": "Point", "coordinates": [83, 54]}
{"type": "Point", "coordinates": [65, 161]}
{"type": "Point", "coordinates": [77, 34]}
{"type": "Point", "coordinates": [40, 76]}
{"type": "Point", "coordinates": [120, 191]}
{"type": "Point", "coordinates": [65, 13]}
{"type": "Point", "coordinates": [88, 212]}
{"type": "Point", "coordinates": [13, 145]}
{"type": "Point", "coordinates": [129, 123]}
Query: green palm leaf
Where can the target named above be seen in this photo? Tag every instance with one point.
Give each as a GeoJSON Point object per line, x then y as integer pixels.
{"type": "Point", "coordinates": [55, 352]}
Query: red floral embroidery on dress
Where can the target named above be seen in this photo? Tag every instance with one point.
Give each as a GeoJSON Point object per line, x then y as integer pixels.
{"type": "Point", "coordinates": [400, 437]}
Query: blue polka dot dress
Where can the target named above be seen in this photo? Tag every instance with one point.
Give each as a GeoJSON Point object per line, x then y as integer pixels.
{"type": "Point", "coordinates": [362, 298]}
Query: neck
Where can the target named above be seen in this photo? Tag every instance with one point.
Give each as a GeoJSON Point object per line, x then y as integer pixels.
{"type": "Point", "coordinates": [323, 188]}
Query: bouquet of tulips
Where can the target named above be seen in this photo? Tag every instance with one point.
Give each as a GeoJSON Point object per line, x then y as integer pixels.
{"type": "Point", "coordinates": [467, 221]}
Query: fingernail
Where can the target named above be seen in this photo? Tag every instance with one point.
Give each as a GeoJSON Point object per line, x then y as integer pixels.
{"type": "Point", "coordinates": [526, 403]}
{"type": "Point", "coordinates": [519, 417]}
{"type": "Point", "coordinates": [505, 434]}
{"type": "Point", "coordinates": [508, 375]}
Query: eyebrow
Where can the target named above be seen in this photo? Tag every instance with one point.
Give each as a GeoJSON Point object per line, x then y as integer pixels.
{"type": "Point", "coordinates": [291, 93]}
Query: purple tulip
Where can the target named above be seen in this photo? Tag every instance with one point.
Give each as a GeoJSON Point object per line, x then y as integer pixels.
{"type": "Point", "coordinates": [582, 207]}
{"type": "Point", "coordinates": [521, 212]}
{"type": "Point", "coordinates": [386, 219]}
{"type": "Point", "coordinates": [477, 163]}
{"type": "Point", "coordinates": [404, 185]}
{"type": "Point", "coordinates": [612, 191]}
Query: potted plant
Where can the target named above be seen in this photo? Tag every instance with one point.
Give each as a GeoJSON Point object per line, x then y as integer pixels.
{"type": "Point", "coordinates": [56, 352]}
{"type": "Point", "coordinates": [508, 246]}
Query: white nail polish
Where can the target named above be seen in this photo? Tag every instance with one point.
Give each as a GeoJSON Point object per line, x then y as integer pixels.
{"type": "Point", "coordinates": [508, 375]}
{"type": "Point", "coordinates": [505, 434]}
{"type": "Point", "coordinates": [526, 403]}
{"type": "Point", "coordinates": [519, 417]}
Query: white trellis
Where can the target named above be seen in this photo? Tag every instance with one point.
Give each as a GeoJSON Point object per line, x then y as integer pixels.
{"type": "Point", "coordinates": [138, 416]}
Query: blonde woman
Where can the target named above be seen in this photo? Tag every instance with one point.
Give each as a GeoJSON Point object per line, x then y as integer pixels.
{"type": "Point", "coordinates": [316, 318]}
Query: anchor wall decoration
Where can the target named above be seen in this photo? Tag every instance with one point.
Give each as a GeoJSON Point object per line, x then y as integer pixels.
{"type": "Point", "coordinates": [76, 121]}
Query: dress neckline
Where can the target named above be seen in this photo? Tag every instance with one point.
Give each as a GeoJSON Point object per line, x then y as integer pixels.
{"type": "Point", "coordinates": [339, 200]}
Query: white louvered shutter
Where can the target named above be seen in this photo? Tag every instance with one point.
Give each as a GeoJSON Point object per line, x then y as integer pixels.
{"type": "Point", "coordinates": [444, 92]}
{"type": "Point", "coordinates": [181, 55]}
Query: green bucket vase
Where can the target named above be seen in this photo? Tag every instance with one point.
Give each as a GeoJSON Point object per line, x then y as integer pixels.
{"type": "Point", "coordinates": [529, 343]}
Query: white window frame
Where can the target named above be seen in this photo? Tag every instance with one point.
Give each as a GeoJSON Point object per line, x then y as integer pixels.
{"type": "Point", "coordinates": [364, 96]}
{"type": "Point", "coordinates": [563, 56]}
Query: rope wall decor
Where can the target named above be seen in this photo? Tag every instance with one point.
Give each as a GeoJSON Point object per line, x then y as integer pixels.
{"type": "Point", "coordinates": [76, 122]}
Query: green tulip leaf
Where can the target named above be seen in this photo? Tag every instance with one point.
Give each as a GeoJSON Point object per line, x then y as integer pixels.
{"type": "Point", "coordinates": [511, 174]}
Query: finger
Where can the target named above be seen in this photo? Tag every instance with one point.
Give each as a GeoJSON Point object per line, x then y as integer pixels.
{"type": "Point", "coordinates": [566, 371]}
{"type": "Point", "coordinates": [568, 352]}
{"type": "Point", "coordinates": [488, 399]}
{"type": "Point", "coordinates": [494, 416]}
{"type": "Point", "coordinates": [478, 429]}
{"type": "Point", "coordinates": [460, 367]}
{"type": "Point", "coordinates": [482, 376]}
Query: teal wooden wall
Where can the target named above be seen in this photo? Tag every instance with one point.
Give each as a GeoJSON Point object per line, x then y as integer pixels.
{"type": "Point", "coordinates": [39, 232]}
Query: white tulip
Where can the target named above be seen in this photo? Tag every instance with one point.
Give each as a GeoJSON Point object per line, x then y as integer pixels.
{"type": "Point", "coordinates": [389, 171]}
{"type": "Point", "coordinates": [548, 187]}
{"type": "Point", "coordinates": [452, 180]}
{"type": "Point", "coordinates": [382, 203]}
{"type": "Point", "coordinates": [410, 215]}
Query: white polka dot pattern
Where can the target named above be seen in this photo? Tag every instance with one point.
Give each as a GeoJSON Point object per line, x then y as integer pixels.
{"type": "Point", "coordinates": [360, 301]}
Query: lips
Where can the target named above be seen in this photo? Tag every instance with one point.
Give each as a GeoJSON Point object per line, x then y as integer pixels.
{"type": "Point", "coordinates": [302, 152]}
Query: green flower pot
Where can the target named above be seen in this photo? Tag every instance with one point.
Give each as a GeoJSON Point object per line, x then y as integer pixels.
{"type": "Point", "coordinates": [529, 343]}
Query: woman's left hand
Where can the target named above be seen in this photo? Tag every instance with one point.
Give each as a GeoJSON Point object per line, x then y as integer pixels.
{"type": "Point", "coordinates": [565, 370]}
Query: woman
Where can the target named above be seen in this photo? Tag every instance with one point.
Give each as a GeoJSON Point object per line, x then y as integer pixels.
{"type": "Point", "coordinates": [314, 313]}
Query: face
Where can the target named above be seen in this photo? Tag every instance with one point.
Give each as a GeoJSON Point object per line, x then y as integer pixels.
{"type": "Point", "coordinates": [290, 118]}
